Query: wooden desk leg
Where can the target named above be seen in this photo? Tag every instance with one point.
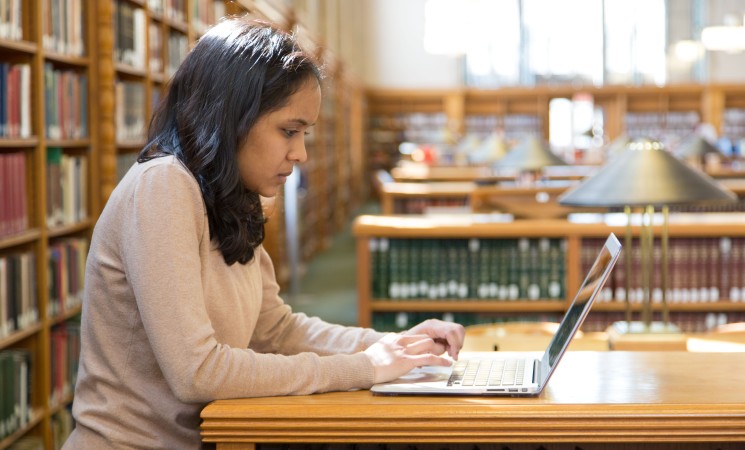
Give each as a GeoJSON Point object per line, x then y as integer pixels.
{"type": "Point", "coordinates": [235, 446]}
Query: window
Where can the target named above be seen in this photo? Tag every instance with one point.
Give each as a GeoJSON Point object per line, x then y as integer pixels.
{"type": "Point", "coordinates": [534, 42]}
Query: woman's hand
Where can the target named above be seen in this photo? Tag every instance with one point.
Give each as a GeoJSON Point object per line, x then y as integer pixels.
{"type": "Point", "coordinates": [449, 335]}
{"type": "Point", "coordinates": [397, 354]}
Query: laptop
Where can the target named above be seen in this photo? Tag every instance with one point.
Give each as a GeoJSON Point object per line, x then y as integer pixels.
{"type": "Point", "coordinates": [514, 373]}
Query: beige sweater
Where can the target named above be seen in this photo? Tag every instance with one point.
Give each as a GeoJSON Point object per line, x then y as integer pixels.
{"type": "Point", "coordinates": [167, 326]}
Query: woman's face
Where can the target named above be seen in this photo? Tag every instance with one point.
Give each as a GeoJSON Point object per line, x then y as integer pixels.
{"type": "Point", "coordinates": [277, 142]}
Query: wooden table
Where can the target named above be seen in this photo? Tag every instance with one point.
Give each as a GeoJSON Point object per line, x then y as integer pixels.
{"type": "Point", "coordinates": [436, 190]}
{"type": "Point", "coordinates": [593, 397]}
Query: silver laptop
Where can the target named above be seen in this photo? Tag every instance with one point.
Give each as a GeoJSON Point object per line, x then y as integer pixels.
{"type": "Point", "coordinates": [513, 374]}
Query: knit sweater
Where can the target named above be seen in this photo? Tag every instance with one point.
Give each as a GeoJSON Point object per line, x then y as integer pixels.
{"type": "Point", "coordinates": [168, 326]}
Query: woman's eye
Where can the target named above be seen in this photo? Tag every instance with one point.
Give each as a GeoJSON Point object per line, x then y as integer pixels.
{"type": "Point", "coordinates": [290, 133]}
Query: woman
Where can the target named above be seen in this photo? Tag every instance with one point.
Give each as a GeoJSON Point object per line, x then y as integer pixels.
{"type": "Point", "coordinates": [181, 304]}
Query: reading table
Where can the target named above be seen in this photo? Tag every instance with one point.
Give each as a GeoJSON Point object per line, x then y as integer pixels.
{"type": "Point", "coordinates": [592, 398]}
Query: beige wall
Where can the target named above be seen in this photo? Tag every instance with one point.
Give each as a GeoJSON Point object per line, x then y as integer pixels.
{"type": "Point", "coordinates": [380, 41]}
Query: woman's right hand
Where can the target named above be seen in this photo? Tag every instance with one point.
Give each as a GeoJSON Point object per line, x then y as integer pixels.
{"type": "Point", "coordinates": [396, 354]}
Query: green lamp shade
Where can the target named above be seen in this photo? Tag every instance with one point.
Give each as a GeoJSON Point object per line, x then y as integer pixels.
{"type": "Point", "coordinates": [530, 154]}
{"type": "Point", "coordinates": [695, 147]}
{"type": "Point", "coordinates": [646, 174]}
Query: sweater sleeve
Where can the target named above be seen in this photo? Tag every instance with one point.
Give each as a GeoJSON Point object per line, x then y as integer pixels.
{"type": "Point", "coordinates": [281, 331]}
{"type": "Point", "coordinates": [160, 246]}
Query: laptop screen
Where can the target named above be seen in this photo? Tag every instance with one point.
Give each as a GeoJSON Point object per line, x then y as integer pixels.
{"type": "Point", "coordinates": [577, 312]}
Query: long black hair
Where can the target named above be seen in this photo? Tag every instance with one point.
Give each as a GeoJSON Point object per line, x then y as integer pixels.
{"type": "Point", "coordinates": [240, 70]}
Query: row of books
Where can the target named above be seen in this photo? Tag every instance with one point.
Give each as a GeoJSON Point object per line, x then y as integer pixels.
{"type": "Point", "coordinates": [63, 26]}
{"type": "Point", "coordinates": [66, 274]}
{"type": "Point", "coordinates": [15, 100]}
{"type": "Point", "coordinates": [700, 270]}
{"type": "Point", "coordinates": [62, 425]}
{"type": "Point", "coordinates": [11, 20]}
{"type": "Point", "coordinates": [14, 211]}
{"type": "Point", "coordinates": [15, 385]}
{"type": "Point", "coordinates": [667, 127]}
{"type": "Point", "coordinates": [178, 47]}
{"type": "Point", "coordinates": [155, 42]}
{"type": "Point", "coordinates": [19, 306]}
{"type": "Point", "coordinates": [67, 189]}
{"type": "Point", "coordinates": [171, 9]}
{"type": "Point", "coordinates": [204, 13]}
{"type": "Point", "coordinates": [129, 34]}
{"type": "Point", "coordinates": [504, 269]}
{"type": "Point", "coordinates": [733, 126]}
{"type": "Point", "coordinates": [124, 162]}
{"type": "Point", "coordinates": [66, 99]}
{"type": "Point", "coordinates": [65, 354]}
{"type": "Point", "coordinates": [737, 206]}
{"type": "Point", "coordinates": [687, 322]}
{"type": "Point", "coordinates": [422, 205]}
{"type": "Point", "coordinates": [130, 111]}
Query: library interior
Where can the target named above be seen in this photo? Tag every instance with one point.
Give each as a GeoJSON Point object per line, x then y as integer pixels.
{"type": "Point", "coordinates": [469, 160]}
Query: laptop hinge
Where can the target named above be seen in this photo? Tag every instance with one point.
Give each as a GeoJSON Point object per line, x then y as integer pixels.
{"type": "Point", "coordinates": [536, 368]}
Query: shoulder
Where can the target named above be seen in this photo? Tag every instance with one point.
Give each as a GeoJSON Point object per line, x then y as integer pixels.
{"type": "Point", "coordinates": [163, 175]}
{"type": "Point", "coordinates": [164, 166]}
{"type": "Point", "coordinates": [161, 182]}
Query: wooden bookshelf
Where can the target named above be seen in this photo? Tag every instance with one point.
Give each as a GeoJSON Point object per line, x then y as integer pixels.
{"type": "Point", "coordinates": [58, 201]}
{"type": "Point", "coordinates": [142, 42]}
{"type": "Point", "coordinates": [577, 240]}
{"type": "Point", "coordinates": [668, 113]}
{"type": "Point", "coordinates": [411, 198]}
{"type": "Point", "coordinates": [114, 65]}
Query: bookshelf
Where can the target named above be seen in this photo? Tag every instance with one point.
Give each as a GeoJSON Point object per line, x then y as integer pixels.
{"type": "Point", "coordinates": [404, 267]}
{"type": "Point", "coordinates": [142, 42]}
{"type": "Point", "coordinates": [48, 158]}
{"type": "Point", "coordinates": [668, 113]}
{"type": "Point", "coordinates": [79, 81]}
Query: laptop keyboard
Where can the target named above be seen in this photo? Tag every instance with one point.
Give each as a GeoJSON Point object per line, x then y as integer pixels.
{"type": "Point", "coordinates": [488, 372]}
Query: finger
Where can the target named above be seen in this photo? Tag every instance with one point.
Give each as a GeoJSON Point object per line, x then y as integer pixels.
{"type": "Point", "coordinates": [408, 339]}
{"type": "Point", "coordinates": [425, 346]}
{"type": "Point", "coordinates": [429, 359]}
{"type": "Point", "coordinates": [454, 341]}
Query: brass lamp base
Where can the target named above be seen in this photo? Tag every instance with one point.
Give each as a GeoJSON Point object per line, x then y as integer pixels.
{"type": "Point", "coordinates": [633, 335]}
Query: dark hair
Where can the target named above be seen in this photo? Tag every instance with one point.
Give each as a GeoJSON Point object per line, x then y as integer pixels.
{"type": "Point", "coordinates": [240, 70]}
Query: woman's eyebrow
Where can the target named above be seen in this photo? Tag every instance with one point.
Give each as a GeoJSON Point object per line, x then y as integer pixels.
{"type": "Point", "coordinates": [301, 122]}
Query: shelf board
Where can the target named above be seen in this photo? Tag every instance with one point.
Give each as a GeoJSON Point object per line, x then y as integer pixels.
{"type": "Point", "coordinates": [63, 230]}
{"type": "Point", "coordinates": [19, 142]}
{"type": "Point", "coordinates": [131, 145]}
{"type": "Point", "coordinates": [125, 69]}
{"type": "Point", "coordinates": [24, 237]}
{"type": "Point", "coordinates": [718, 306]}
{"type": "Point", "coordinates": [36, 418]}
{"type": "Point", "coordinates": [69, 143]}
{"type": "Point", "coordinates": [454, 305]}
{"type": "Point", "coordinates": [20, 46]}
{"type": "Point", "coordinates": [18, 336]}
{"type": "Point", "coordinates": [509, 306]}
{"type": "Point", "coordinates": [67, 314]}
{"type": "Point", "coordinates": [82, 61]}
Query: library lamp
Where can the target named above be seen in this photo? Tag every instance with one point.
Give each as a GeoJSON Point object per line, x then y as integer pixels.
{"type": "Point", "coordinates": [646, 176]}
{"type": "Point", "coordinates": [529, 157]}
{"type": "Point", "coordinates": [697, 151]}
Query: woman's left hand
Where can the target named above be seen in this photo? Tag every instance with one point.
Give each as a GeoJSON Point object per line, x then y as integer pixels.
{"type": "Point", "coordinates": [447, 334]}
